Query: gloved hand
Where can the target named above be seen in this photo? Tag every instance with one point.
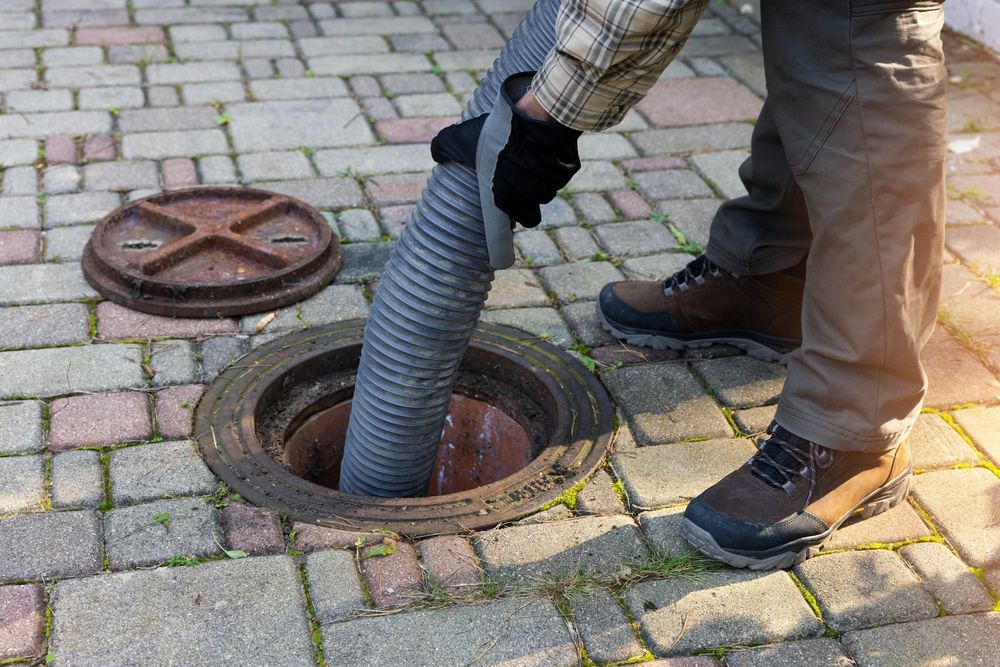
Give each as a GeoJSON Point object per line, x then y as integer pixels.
{"type": "Point", "coordinates": [520, 162]}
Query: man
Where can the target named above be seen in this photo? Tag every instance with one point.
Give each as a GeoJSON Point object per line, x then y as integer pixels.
{"type": "Point", "coordinates": [832, 260]}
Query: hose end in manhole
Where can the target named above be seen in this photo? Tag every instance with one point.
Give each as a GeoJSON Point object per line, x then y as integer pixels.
{"type": "Point", "coordinates": [211, 252]}
{"type": "Point", "coordinates": [528, 422]}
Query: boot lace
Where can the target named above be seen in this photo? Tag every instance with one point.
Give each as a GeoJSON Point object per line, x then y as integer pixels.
{"type": "Point", "coordinates": [783, 458]}
{"type": "Point", "coordinates": [695, 271]}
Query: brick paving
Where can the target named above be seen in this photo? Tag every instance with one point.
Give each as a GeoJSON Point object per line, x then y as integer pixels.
{"type": "Point", "coordinates": [335, 103]}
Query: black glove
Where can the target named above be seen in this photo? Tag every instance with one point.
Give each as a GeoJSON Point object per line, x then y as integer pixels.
{"type": "Point", "coordinates": [531, 160]}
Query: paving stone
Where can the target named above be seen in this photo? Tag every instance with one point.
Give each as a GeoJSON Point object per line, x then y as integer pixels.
{"type": "Point", "coordinates": [576, 242]}
{"type": "Point", "coordinates": [158, 470]}
{"type": "Point", "coordinates": [255, 530]}
{"type": "Point", "coordinates": [742, 382]}
{"type": "Point", "coordinates": [518, 631]}
{"type": "Point", "coordinates": [864, 588]}
{"type": "Point", "coordinates": [218, 353]}
{"type": "Point", "coordinates": [231, 612]}
{"type": "Point", "coordinates": [363, 261]}
{"type": "Point", "coordinates": [671, 184]}
{"type": "Point", "coordinates": [172, 362]}
{"type": "Point", "coordinates": [334, 193]}
{"type": "Point", "coordinates": [334, 585]}
{"type": "Point", "coordinates": [21, 427]}
{"type": "Point", "coordinates": [597, 175]}
{"type": "Point", "coordinates": [959, 640]}
{"type": "Point", "coordinates": [309, 537]}
{"type": "Point", "coordinates": [604, 628]}
{"type": "Point", "coordinates": [77, 480]}
{"type": "Point", "coordinates": [681, 140]}
{"type": "Point", "coordinates": [65, 244]}
{"type": "Point", "coordinates": [980, 424]}
{"type": "Point", "coordinates": [61, 370]}
{"type": "Point", "coordinates": [514, 288]}
{"type": "Point", "coordinates": [664, 403]}
{"type": "Point", "coordinates": [537, 248]}
{"type": "Point", "coordinates": [579, 281]}
{"type": "Point", "coordinates": [955, 377]}
{"type": "Point", "coordinates": [725, 608]}
{"type": "Point", "coordinates": [411, 130]}
{"type": "Point", "coordinates": [21, 484]}
{"type": "Point", "coordinates": [587, 329]}
{"type": "Point", "coordinates": [98, 419]}
{"type": "Point", "coordinates": [542, 322]}
{"type": "Point", "coordinates": [968, 519]}
{"type": "Point", "coordinates": [935, 444]}
{"type": "Point", "coordinates": [669, 474]}
{"type": "Point", "coordinates": [662, 531]}
{"type": "Point", "coordinates": [275, 165]}
{"type": "Point", "coordinates": [754, 421]}
{"type": "Point", "coordinates": [22, 621]}
{"type": "Point", "coordinates": [79, 208]}
{"type": "Point", "coordinates": [393, 580]}
{"type": "Point", "coordinates": [50, 545]}
{"type": "Point", "coordinates": [722, 171]}
{"type": "Point", "coordinates": [450, 561]}
{"type": "Point", "coordinates": [597, 497]}
{"type": "Point", "coordinates": [603, 544]}
{"type": "Point", "coordinates": [134, 538]}
{"type": "Point", "coordinates": [951, 583]}
{"type": "Point", "coordinates": [822, 652]}
{"type": "Point", "coordinates": [175, 410]}
{"type": "Point", "coordinates": [898, 524]}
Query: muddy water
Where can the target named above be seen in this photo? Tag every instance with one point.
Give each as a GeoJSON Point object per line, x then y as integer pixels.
{"type": "Point", "coordinates": [480, 444]}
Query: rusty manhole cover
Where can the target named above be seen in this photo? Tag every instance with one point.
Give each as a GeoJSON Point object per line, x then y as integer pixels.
{"type": "Point", "coordinates": [527, 423]}
{"type": "Point", "coordinates": [211, 252]}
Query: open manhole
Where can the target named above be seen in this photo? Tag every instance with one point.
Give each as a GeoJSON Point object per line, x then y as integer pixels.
{"type": "Point", "coordinates": [211, 252]}
{"type": "Point", "coordinates": [527, 423]}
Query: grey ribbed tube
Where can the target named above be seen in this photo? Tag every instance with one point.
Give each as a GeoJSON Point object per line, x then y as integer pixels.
{"type": "Point", "coordinates": [427, 305]}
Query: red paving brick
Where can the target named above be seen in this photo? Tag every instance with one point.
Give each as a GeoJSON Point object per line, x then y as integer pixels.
{"type": "Point", "coordinates": [175, 410]}
{"type": "Point", "coordinates": [411, 130]}
{"type": "Point", "coordinates": [115, 322]}
{"type": "Point", "coordinates": [99, 147]}
{"type": "Point", "coordinates": [655, 163]}
{"type": "Point", "coordinates": [393, 580]}
{"type": "Point", "coordinates": [254, 530]}
{"type": "Point", "coordinates": [396, 188]}
{"type": "Point", "coordinates": [20, 247]}
{"type": "Point", "coordinates": [60, 150]}
{"type": "Point", "coordinates": [697, 102]}
{"type": "Point", "coordinates": [178, 173]}
{"type": "Point", "coordinates": [118, 36]}
{"type": "Point", "coordinates": [450, 561]}
{"type": "Point", "coordinates": [22, 621]}
{"type": "Point", "coordinates": [98, 419]}
{"type": "Point", "coordinates": [630, 203]}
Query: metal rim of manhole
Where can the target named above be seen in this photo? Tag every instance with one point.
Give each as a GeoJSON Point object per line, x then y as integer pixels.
{"type": "Point", "coordinates": [211, 252]}
{"type": "Point", "coordinates": [247, 412]}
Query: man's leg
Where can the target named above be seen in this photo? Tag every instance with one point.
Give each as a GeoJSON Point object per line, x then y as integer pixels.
{"type": "Point", "coordinates": [857, 92]}
{"type": "Point", "coordinates": [748, 292]}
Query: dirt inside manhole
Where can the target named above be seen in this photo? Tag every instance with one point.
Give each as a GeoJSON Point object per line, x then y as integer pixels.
{"type": "Point", "coordinates": [480, 444]}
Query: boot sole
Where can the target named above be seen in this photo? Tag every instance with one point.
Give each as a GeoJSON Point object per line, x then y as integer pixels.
{"type": "Point", "coordinates": [878, 501]}
{"type": "Point", "coordinates": [755, 345]}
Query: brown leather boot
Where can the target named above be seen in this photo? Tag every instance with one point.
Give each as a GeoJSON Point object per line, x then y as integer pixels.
{"type": "Point", "coordinates": [784, 503]}
{"type": "Point", "coordinates": [704, 304]}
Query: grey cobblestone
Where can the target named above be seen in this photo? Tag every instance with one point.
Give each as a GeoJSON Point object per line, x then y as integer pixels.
{"type": "Point", "coordinates": [62, 370]}
{"type": "Point", "coordinates": [664, 403]}
{"type": "Point", "coordinates": [50, 544]}
{"type": "Point", "coordinates": [21, 484]}
{"type": "Point", "coordinates": [77, 480]}
{"type": "Point", "coordinates": [21, 427]}
{"type": "Point", "coordinates": [865, 588]}
{"type": "Point", "coordinates": [149, 534]}
{"type": "Point", "coordinates": [158, 470]}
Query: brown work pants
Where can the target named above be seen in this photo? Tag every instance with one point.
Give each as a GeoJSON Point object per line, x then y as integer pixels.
{"type": "Point", "coordinates": [847, 167]}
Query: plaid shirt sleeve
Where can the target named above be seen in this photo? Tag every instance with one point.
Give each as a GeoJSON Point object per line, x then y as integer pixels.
{"type": "Point", "coordinates": [608, 53]}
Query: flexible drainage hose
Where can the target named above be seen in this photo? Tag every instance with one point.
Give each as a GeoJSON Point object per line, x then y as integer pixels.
{"type": "Point", "coordinates": [427, 305]}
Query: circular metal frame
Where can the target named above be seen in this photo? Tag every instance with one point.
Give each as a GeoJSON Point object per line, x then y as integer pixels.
{"type": "Point", "coordinates": [211, 252]}
{"type": "Point", "coordinates": [577, 414]}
